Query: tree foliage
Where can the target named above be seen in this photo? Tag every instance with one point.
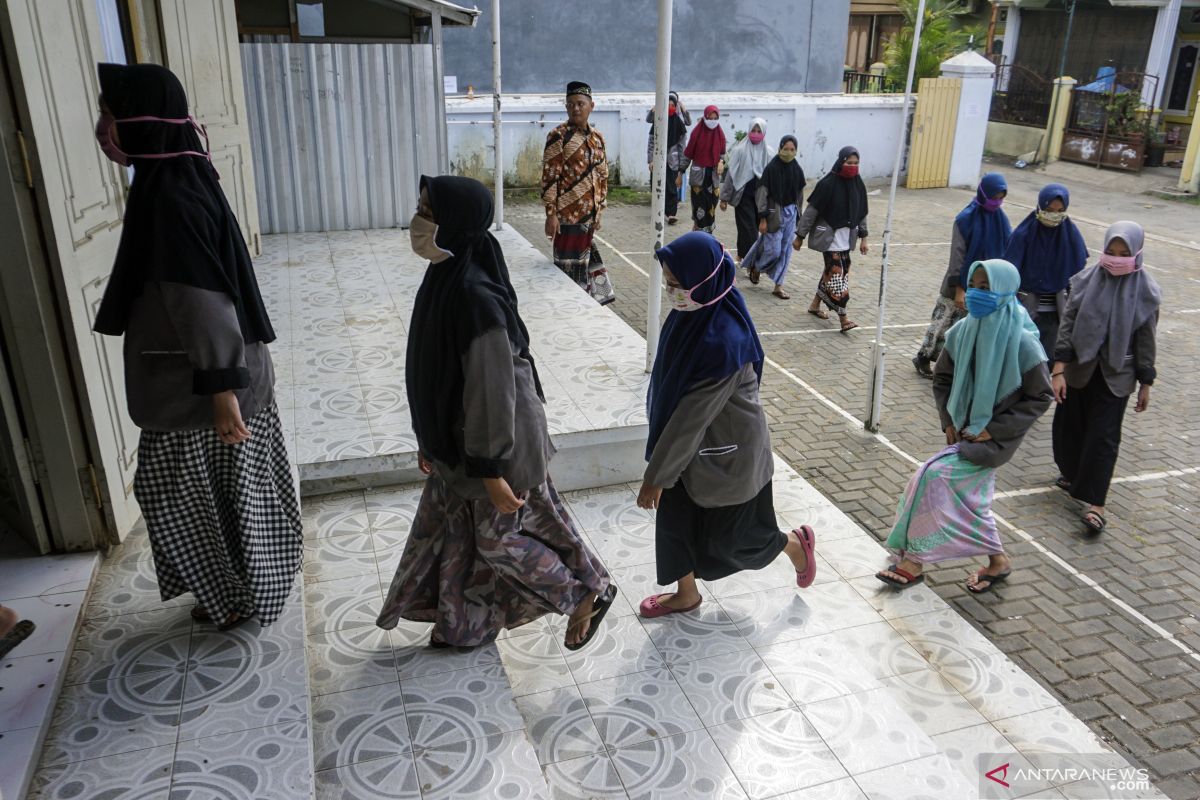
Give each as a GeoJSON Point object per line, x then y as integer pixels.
{"type": "Point", "coordinates": [945, 33]}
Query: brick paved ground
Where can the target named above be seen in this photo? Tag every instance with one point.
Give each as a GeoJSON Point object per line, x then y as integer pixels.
{"type": "Point", "coordinates": [1115, 672]}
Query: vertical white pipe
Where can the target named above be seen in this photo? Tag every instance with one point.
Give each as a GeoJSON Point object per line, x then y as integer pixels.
{"type": "Point", "coordinates": [497, 128]}
{"type": "Point", "coordinates": [875, 401]}
{"type": "Point", "coordinates": [659, 176]}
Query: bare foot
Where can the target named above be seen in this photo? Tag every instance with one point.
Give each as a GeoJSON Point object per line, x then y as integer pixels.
{"type": "Point", "coordinates": [911, 567]}
{"type": "Point", "coordinates": [8, 619]}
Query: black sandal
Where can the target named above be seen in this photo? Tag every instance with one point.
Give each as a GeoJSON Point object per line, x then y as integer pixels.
{"type": "Point", "coordinates": [1091, 526]}
{"type": "Point", "coordinates": [1063, 483]}
{"type": "Point", "coordinates": [19, 633]}
{"type": "Point", "coordinates": [599, 609]}
{"type": "Point", "coordinates": [922, 367]}
{"type": "Point", "coordinates": [992, 580]}
{"type": "Point", "coordinates": [237, 623]}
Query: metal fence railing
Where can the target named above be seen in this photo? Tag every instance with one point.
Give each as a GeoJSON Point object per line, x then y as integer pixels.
{"type": "Point", "coordinates": [866, 83]}
{"type": "Point", "coordinates": [1021, 97]}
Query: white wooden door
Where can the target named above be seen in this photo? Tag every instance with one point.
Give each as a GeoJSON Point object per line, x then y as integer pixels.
{"type": "Point", "coordinates": [80, 195]}
{"type": "Point", "coordinates": [200, 45]}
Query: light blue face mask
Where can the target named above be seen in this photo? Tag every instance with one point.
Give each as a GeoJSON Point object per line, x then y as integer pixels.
{"type": "Point", "coordinates": [981, 302]}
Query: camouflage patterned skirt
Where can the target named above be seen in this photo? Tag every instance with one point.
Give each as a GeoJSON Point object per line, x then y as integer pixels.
{"type": "Point", "coordinates": [473, 571]}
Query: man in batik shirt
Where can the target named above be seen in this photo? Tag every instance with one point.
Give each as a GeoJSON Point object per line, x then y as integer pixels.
{"type": "Point", "coordinates": [575, 192]}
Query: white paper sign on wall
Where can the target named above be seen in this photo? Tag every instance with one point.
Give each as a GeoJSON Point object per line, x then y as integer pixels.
{"type": "Point", "coordinates": [450, 84]}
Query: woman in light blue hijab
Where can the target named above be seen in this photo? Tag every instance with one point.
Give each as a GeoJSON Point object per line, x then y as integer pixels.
{"type": "Point", "coordinates": [990, 385]}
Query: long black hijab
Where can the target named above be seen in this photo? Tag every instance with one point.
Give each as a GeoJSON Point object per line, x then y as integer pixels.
{"type": "Point", "coordinates": [784, 179]}
{"type": "Point", "coordinates": [460, 299]}
{"type": "Point", "coordinates": [842, 202]}
{"type": "Point", "coordinates": [178, 225]}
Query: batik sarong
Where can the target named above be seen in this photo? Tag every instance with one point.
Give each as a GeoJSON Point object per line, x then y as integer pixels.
{"type": "Point", "coordinates": [946, 512]}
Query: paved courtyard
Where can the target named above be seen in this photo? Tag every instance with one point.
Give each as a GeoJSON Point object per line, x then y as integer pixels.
{"type": "Point", "coordinates": [1109, 625]}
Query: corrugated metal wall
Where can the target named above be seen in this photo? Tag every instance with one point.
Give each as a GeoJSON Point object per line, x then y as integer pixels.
{"type": "Point", "coordinates": [340, 133]}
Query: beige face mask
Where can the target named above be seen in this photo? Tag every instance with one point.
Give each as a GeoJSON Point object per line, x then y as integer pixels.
{"type": "Point", "coordinates": [423, 234]}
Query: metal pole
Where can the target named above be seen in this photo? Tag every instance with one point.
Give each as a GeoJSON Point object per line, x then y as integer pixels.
{"type": "Point", "coordinates": [658, 175]}
{"type": "Point", "coordinates": [497, 128]}
{"type": "Point", "coordinates": [875, 402]}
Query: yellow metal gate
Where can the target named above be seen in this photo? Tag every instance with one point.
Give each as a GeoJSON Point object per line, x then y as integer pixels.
{"type": "Point", "coordinates": [933, 129]}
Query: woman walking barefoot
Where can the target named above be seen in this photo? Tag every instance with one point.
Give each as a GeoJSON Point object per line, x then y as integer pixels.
{"type": "Point", "coordinates": [836, 217]}
{"type": "Point", "coordinates": [990, 385]}
{"type": "Point", "coordinates": [709, 450]}
{"type": "Point", "coordinates": [492, 545]}
{"type": "Point", "coordinates": [1106, 347]}
{"type": "Point", "coordinates": [779, 195]}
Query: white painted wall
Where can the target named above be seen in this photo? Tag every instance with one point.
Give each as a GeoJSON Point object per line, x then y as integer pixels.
{"type": "Point", "coordinates": [822, 124]}
{"type": "Point", "coordinates": [977, 75]}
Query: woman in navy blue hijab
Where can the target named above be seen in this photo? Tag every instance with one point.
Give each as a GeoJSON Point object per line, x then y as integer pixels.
{"type": "Point", "coordinates": [981, 232]}
{"type": "Point", "coordinates": [1047, 249]}
{"type": "Point", "coordinates": [709, 450]}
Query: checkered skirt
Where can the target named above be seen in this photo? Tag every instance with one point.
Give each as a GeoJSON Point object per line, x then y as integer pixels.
{"type": "Point", "coordinates": [224, 520]}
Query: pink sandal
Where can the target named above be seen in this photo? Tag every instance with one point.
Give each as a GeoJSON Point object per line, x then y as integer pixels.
{"type": "Point", "coordinates": [652, 609]}
{"type": "Point", "coordinates": [808, 540]}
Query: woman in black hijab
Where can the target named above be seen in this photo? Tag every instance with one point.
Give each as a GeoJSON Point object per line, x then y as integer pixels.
{"type": "Point", "coordinates": [678, 120]}
{"type": "Point", "coordinates": [213, 478]}
{"type": "Point", "coordinates": [778, 197]}
{"type": "Point", "coordinates": [492, 546]}
{"type": "Point", "coordinates": [836, 218]}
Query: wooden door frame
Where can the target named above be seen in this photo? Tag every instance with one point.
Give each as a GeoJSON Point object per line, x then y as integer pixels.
{"type": "Point", "coordinates": [45, 383]}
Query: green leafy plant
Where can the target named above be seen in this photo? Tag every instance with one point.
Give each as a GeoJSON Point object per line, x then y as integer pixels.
{"type": "Point", "coordinates": [944, 34]}
{"type": "Point", "coordinates": [1125, 117]}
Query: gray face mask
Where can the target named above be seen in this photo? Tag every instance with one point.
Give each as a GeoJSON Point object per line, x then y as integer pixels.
{"type": "Point", "coordinates": [422, 232]}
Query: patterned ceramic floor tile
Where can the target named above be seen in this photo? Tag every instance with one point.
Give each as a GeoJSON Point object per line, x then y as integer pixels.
{"type": "Point", "coordinates": [503, 765]}
{"type": "Point", "coordinates": [776, 753]}
{"type": "Point", "coordinates": [343, 603]}
{"type": "Point", "coordinates": [845, 789]}
{"type": "Point", "coordinates": [535, 663]}
{"type": "Point", "coordinates": [945, 638]}
{"type": "Point", "coordinates": [140, 775]}
{"type": "Point", "coordinates": [931, 778]}
{"type": "Point", "coordinates": [893, 604]}
{"type": "Point", "coordinates": [730, 687]}
{"type": "Point", "coordinates": [998, 688]}
{"type": "Point", "coordinates": [591, 777]}
{"type": "Point", "coordinates": [359, 725]}
{"type": "Point", "coordinates": [932, 702]}
{"type": "Point", "coordinates": [824, 518]}
{"type": "Point", "coordinates": [392, 778]}
{"type": "Point", "coordinates": [451, 707]}
{"type": "Point", "coordinates": [232, 689]}
{"type": "Point", "coordinates": [130, 644]}
{"type": "Point", "coordinates": [335, 515]}
{"type": "Point", "coordinates": [392, 509]}
{"type": "Point", "coordinates": [415, 658]}
{"type": "Point", "coordinates": [106, 718]}
{"type": "Point", "coordinates": [707, 631]}
{"type": "Point", "coordinates": [1055, 730]}
{"type": "Point", "coordinates": [128, 588]}
{"type": "Point", "coordinates": [620, 647]}
{"type": "Point", "coordinates": [336, 557]}
{"type": "Point", "coordinates": [817, 668]}
{"type": "Point", "coordinates": [264, 763]}
{"type": "Point", "coordinates": [779, 574]}
{"type": "Point", "coordinates": [350, 659]}
{"type": "Point", "coordinates": [855, 557]}
{"type": "Point", "coordinates": [559, 725]}
{"type": "Point", "coordinates": [637, 707]}
{"type": "Point", "coordinates": [868, 731]}
{"type": "Point", "coordinates": [684, 765]}
{"type": "Point", "coordinates": [775, 616]}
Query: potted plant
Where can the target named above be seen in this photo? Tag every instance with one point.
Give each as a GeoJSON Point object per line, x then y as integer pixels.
{"type": "Point", "coordinates": [1156, 147]}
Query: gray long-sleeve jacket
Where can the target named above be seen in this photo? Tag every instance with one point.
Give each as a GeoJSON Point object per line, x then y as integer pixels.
{"type": "Point", "coordinates": [501, 430]}
{"type": "Point", "coordinates": [717, 442]}
{"type": "Point", "coordinates": [1012, 417]}
{"type": "Point", "coordinates": [182, 346]}
{"type": "Point", "coordinates": [958, 252]}
{"type": "Point", "coordinates": [1138, 366]}
{"type": "Point", "coordinates": [769, 210]}
{"type": "Point", "coordinates": [820, 233]}
{"type": "Point", "coordinates": [674, 154]}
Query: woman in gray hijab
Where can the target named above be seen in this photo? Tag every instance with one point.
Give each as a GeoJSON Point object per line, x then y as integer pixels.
{"type": "Point", "coordinates": [1105, 349]}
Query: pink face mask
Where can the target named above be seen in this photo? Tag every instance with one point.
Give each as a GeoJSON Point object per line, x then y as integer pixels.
{"type": "Point", "coordinates": [104, 129]}
{"type": "Point", "coordinates": [681, 299]}
{"type": "Point", "coordinates": [756, 137]}
{"type": "Point", "coordinates": [1120, 265]}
